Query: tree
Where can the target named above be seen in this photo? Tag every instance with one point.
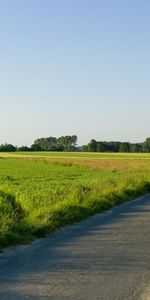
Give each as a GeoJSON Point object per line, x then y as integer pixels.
{"type": "Point", "coordinates": [146, 145]}
{"type": "Point", "coordinates": [36, 147]}
{"type": "Point", "coordinates": [100, 147]}
{"type": "Point", "coordinates": [63, 143]}
{"type": "Point", "coordinates": [23, 148]}
{"type": "Point", "coordinates": [68, 142]}
{"type": "Point", "coordinates": [46, 144]}
{"type": "Point", "coordinates": [136, 147]}
{"type": "Point", "coordinates": [74, 139]}
{"type": "Point", "coordinates": [7, 148]}
{"type": "Point", "coordinates": [124, 147]}
{"type": "Point", "coordinates": [84, 148]}
{"type": "Point", "coordinates": [92, 146]}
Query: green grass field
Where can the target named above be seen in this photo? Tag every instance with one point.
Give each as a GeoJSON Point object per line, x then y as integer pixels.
{"type": "Point", "coordinates": [77, 155]}
{"type": "Point", "coordinates": [41, 194]}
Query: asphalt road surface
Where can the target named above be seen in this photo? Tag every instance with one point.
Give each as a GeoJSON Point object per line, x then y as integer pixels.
{"type": "Point", "coordinates": [104, 257]}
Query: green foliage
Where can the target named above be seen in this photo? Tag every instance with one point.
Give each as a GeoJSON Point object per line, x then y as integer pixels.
{"type": "Point", "coordinates": [7, 148]}
{"type": "Point", "coordinates": [136, 148]}
{"type": "Point", "coordinates": [124, 147]}
{"type": "Point", "coordinates": [37, 197]}
{"type": "Point", "coordinates": [92, 146]}
{"type": "Point", "coordinates": [69, 144]}
{"type": "Point", "coordinates": [96, 146]}
{"type": "Point", "coordinates": [23, 148]}
{"type": "Point", "coordinates": [146, 145]}
{"type": "Point", "coordinates": [36, 147]}
{"type": "Point", "coordinates": [63, 143]}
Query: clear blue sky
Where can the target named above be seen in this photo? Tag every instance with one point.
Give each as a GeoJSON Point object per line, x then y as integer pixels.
{"type": "Point", "coordinates": [74, 67]}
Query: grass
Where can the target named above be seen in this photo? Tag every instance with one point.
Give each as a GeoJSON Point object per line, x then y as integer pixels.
{"type": "Point", "coordinates": [38, 196]}
{"type": "Point", "coordinates": [77, 155]}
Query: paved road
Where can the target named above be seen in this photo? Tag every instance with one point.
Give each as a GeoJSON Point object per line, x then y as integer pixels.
{"type": "Point", "coordinates": [104, 257]}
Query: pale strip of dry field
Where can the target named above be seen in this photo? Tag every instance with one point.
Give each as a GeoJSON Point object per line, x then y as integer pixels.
{"type": "Point", "coordinates": [107, 164]}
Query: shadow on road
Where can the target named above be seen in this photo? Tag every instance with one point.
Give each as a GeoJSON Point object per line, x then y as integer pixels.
{"type": "Point", "coordinates": [104, 251]}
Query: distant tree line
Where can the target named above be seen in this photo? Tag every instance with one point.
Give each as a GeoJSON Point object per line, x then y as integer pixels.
{"type": "Point", "coordinates": [69, 143]}
{"type": "Point", "coordinates": [96, 146]}
{"type": "Point", "coordinates": [63, 143]}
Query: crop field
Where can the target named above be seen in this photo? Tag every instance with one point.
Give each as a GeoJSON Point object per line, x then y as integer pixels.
{"type": "Point", "coordinates": [63, 155]}
{"type": "Point", "coordinates": [41, 192]}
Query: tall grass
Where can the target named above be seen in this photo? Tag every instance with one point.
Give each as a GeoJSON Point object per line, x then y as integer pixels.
{"type": "Point", "coordinates": [38, 197]}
